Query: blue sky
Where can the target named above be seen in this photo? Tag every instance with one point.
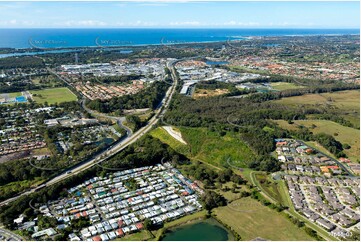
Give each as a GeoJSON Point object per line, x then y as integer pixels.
{"type": "Point", "coordinates": [180, 14]}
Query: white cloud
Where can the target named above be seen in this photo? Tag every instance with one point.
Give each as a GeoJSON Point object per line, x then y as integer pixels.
{"type": "Point", "coordinates": [143, 23]}
{"type": "Point", "coordinates": [235, 23]}
{"type": "Point", "coordinates": [9, 22]}
{"type": "Point", "coordinates": [15, 23]}
{"type": "Point", "coordinates": [187, 23]}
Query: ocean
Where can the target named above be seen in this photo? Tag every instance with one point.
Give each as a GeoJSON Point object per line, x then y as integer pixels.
{"type": "Point", "coordinates": [68, 38]}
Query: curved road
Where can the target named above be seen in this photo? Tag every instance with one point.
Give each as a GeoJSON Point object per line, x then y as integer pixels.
{"type": "Point", "coordinates": [116, 148]}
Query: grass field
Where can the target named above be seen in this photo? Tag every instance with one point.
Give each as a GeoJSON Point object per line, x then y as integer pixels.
{"type": "Point", "coordinates": [53, 95]}
{"type": "Point", "coordinates": [250, 220]}
{"type": "Point", "coordinates": [345, 135]}
{"type": "Point", "coordinates": [229, 195]}
{"type": "Point", "coordinates": [208, 146]}
{"type": "Point", "coordinates": [15, 94]}
{"type": "Point", "coordinates": [345, 103]}
{"type": "Point", "coordinates": [271, 188]}
{"type": "Point", "coordinates": [280, 86]}
{"type": "Point", "coordinates": [347, 100]}
{"type": "Point", "coordinates": [41, 151]}
{"type": "Point", "coordinates": [139, 236]}
{"type": "Point", "coordinates": [166, 138]}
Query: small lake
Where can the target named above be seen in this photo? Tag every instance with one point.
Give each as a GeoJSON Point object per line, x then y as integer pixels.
{"type": "Point", "coordinates": [212, 63]}
{"type": "Point", "coordinates": [206, 230]}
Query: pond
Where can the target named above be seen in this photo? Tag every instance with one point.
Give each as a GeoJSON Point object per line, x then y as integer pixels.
{"type": "Point", "coordinates": [213, 63]}
{"type": "Point", "coordinates": [205, 230]}
{"type": "Point", "coordinates": [107, 141]}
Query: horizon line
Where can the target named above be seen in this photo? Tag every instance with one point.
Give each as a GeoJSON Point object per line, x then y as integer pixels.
{"type": "Point", "coordinates": [153, 27]}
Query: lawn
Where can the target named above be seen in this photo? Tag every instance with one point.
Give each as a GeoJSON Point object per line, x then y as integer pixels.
{"type": "Point", "coordinates": [53, 95]}
{"type": "Point", "coordinates": [208, 146]}
{"type": "Point", "coordinates": [345, 135]}
{"type": "Point", "coordinates": [250, 220]}
{"type": "Point", "coordinates": [280, 86]}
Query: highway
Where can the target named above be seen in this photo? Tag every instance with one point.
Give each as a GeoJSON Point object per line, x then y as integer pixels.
{"type": "Point", "coordinates": [8, 235]}
{"type": "Point", "coordinates": [130, 139]}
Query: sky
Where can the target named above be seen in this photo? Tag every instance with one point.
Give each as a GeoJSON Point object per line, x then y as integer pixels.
{"type": "Point", "coordinates": [180, 14]}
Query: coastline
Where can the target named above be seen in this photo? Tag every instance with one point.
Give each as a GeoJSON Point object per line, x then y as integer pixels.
{"type": "Point", "coordinates": [17, 40]}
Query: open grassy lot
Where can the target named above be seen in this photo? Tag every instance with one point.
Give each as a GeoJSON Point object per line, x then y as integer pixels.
{"type": "Point", "coordinates": [161, 134]}
{"type": "Point", "coordinates": [53, 95]}
{"type": "Point", "coordinates": [139, 236]}
{"type": "Point", "coordinates": [201, 93]}
{"type": "Point", "coordinates": [270, 187]}
{"type": "Point", "coordinates": [208, 146]}
{"type": "Point", "coordinates": [345, 135]}
{"type": "Point", "coordinates": [41, 151]}
{"type": "Point", "coordinates": [344, 103]}
{"type": "Point", "coordinates": [280, 86]}
{"type": "Point", "coordinates": [250, 220]}
{"type": "Point", "coordinates": [15, 94]}
{"type": "Point", "coordinates": [347, 100]}
{"type": "Point", "coordinates": [229, 195]}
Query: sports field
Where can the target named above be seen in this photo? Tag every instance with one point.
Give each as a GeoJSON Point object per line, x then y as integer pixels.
{"type": "Point", "coordinates": [250, 220]}
{"type": "Point", "coordinates": [345, 135]}
{"type": "Point", "coordinates": [53, 95]}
